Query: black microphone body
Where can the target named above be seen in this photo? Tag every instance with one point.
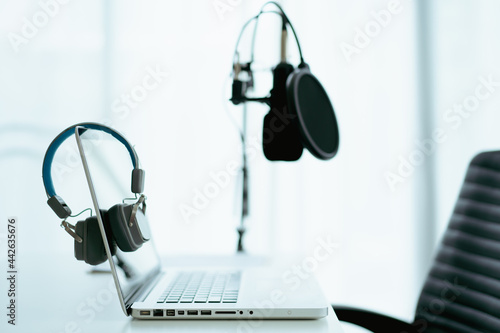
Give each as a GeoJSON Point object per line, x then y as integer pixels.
{"type": "Point", "coordinates": [281, 140]}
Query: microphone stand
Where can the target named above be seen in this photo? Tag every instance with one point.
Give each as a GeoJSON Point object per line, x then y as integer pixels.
{"type": "Point", "coordinates": [244, 198]}
{"type": "Point", "coordinates": [239, 90]}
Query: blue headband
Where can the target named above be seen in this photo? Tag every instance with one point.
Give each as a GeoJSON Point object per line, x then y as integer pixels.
{"type": "Point", "coordinates": [51, 151]}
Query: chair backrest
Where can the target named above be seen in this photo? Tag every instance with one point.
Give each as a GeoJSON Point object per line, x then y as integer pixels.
{"type": "Point", "coordinates": [462, 290]}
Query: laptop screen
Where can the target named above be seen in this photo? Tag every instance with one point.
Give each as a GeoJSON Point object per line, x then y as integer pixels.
{"type": "Point", "coordinates": [108, 169]}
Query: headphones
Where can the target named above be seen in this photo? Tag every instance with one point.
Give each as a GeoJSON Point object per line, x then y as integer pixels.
{"type": "Point", "coordinates": [125, 225]}
{"type": "Point", "coordinates": [301, 114]}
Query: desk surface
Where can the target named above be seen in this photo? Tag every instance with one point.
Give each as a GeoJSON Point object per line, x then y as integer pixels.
{"type": "Point", "coordinates": [67, 298]}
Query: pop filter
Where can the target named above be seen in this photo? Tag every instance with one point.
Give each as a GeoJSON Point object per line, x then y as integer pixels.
{"type": "Point", "coordinates": [316, 119]}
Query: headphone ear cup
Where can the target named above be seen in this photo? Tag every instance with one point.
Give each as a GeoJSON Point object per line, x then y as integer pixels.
{"type": "Point", "coordinates": [109, 232]}
{"type": "Point", "coordinates": [81, 231]}
{"type": "Point", "coordinates": [128, 238]}
{"type": "Point", "coordinates": [91, 249]}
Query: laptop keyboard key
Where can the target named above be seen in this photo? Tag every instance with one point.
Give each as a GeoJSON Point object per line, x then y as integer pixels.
{"type": "Point", "coordinates": [200, 287]}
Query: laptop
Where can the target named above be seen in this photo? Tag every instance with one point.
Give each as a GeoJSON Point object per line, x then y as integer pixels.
{"type": "Point", "coordinates": [146, 290]}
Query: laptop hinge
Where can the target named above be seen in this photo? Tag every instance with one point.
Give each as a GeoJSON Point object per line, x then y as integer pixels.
{"type": "Point", "coordinates": [143, 289]}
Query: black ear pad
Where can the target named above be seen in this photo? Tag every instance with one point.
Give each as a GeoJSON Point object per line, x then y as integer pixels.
{"type": "Point", "coordinates": [91, 249]}
{"type": "Point", "coordinates": [128, 237]}
{"type": "Point", "coordinates": [281, 137]}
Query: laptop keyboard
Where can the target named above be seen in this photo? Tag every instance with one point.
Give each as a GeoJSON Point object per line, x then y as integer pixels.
{"type": "Point", "coordinates": [202, 287]}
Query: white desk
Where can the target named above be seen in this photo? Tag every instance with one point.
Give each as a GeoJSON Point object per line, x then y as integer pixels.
{"type": "Point", "coordinates": [66, 298]}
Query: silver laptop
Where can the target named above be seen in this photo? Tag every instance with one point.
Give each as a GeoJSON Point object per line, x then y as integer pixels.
{"type": "Point", "coordinates": [147, 290]}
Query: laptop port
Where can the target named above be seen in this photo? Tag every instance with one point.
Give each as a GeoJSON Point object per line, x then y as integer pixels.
{"type": "Point", "coordinates": [206, 312]}
{"type": "Point", "coordinates": [180, 312]}
{"type": "Point", "coordinates": [145, 313]}
{"type": "Point", "coordinates": [192, 312]}
{"type": "Point", "coordinates": [225, 312]}
{"type": "Point", "coordinates": [158, 313]}
{"type": "Point", "coordinates": [170, 313]}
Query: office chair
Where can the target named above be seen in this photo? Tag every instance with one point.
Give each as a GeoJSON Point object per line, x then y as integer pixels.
{"type": "Point", "coordinates": [462, 291]}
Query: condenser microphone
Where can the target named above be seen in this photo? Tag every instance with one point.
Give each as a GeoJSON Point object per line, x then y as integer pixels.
{"type": "Point", "coordinates": [301, 115]}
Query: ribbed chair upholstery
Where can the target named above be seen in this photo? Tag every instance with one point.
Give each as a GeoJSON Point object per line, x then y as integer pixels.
{"type": "Point", "coordinates": [462, 291]}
